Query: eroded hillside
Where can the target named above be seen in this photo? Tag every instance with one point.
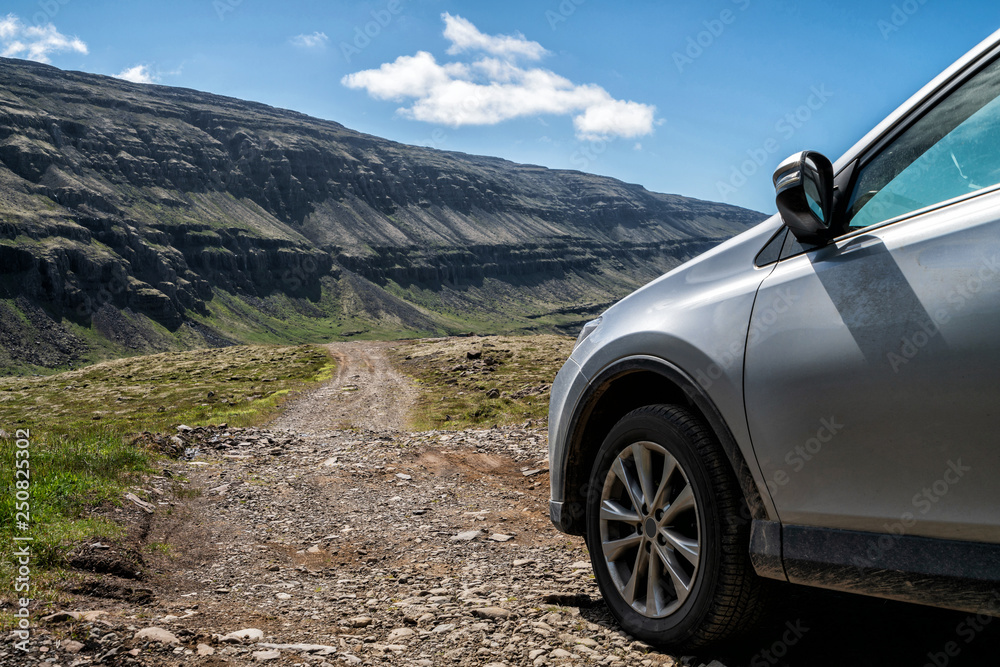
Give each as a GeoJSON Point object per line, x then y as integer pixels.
{"type": "Point", "coordinates": [145, 217]}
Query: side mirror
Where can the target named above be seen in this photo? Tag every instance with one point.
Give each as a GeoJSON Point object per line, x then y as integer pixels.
{"type": "Point", "coordinates": [803, 187]}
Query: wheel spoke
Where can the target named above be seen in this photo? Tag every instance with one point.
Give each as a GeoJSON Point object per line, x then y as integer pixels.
{"type": "Point", "coordinates": [680, 578]}
{"type": "Point", "coordinates": [683, 502]}
{"type": "Point", "coordinates": [613, 549]}
{"type": "Point", "coordinates": [628, 481]}
{"type": "Point", "coordinates": [644, 471]}
{"type": "Point", "coordinates": [685, 546]}
{"type": "Point", "coordinates": [612, 510]}
{"type": "Point", "coordinates": [653, 595]}
{"type": "Point", "coordinates": [669, 466]}
{"type": "Point", "coordinates": [633, 582]}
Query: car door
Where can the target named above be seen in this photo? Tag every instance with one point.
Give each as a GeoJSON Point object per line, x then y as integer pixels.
{"type": "Point", "coordinates": [873, 399]}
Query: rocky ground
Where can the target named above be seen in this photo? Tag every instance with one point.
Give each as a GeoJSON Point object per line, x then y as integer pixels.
{"type": "Point", "coordinates": [364, 546]}
{"type": "Point", "coordinates": [335, 536]}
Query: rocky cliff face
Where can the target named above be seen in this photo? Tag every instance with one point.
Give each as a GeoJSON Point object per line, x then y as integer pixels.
{"type": "Point", "coordinates": [155, 202]}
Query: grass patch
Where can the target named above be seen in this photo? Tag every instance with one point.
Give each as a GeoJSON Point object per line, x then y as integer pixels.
{"type": "Point", "coordinates": [482, 381]}
{"type": "Point", "coordinates": [281, 319]}
{"type": "Point", "coordinates": [67, 476]}
{"type": "Point", "coordinates": [242, 385]}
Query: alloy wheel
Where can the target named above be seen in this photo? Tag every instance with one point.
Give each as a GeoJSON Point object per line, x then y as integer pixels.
{"type": "Point", "coordinates": [650, 534]}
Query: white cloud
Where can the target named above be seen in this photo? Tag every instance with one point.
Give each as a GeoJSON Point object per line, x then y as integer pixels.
{"type": "Point", "coordinates": [137, 74]}
{"type": "Point", "coordinates": [9, 27]}
{"type": "Point", "coordinates": [466, 37]}
{"type": "Point", "coordinates": [36, 42]}
{"type": "Point", "coordinates": [408, 76]}
{"type": "Point", "coordinates": [317, 40]}
{"type": "Point", "coordinates": [494, 88]}
{"type": "Point", "coordinates": [615, 118]}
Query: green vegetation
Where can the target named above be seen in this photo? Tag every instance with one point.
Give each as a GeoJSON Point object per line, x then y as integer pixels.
{"type": "Point", "coordinates": [240, 385]}
{"type": "Point", "coordinates": [66, 476]}
{"type": "Point", "coordinates": [506, 307]}
{"type": "Point", "coordinates": [338, 313]}
{"type": "Point", "coordinates": [482, 381]}
{"type": "Point", "coordinates": [81, 426]}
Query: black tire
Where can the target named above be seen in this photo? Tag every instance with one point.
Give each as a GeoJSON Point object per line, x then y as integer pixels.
{"type": "Point", "coordinates": [725, 597]}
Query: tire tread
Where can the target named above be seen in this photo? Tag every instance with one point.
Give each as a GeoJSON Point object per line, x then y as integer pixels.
{"type": "Point", "coordinates": [740, 596]}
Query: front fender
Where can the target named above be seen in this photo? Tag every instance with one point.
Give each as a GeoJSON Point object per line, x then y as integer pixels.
{"type": "Point", "coordinates": [634, 381]}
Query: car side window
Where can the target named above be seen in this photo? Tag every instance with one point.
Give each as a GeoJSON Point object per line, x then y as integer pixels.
{"type": "Point", "coordinates": [952, 150]}
{"type": "Point", "coordinates": [771, 252]}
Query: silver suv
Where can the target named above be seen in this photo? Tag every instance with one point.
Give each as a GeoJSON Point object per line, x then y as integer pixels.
{"type": "Point", "coordinates": [814, 401]}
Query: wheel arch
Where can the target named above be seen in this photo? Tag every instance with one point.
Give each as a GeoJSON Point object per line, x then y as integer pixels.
{"type": "Point", "coordinates": [617, 390]}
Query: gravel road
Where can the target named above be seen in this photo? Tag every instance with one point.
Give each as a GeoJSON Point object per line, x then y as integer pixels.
{"type": "Point", "coordinates": [335, 536]}
{"type": "Point", "coordinates": [367, 392]}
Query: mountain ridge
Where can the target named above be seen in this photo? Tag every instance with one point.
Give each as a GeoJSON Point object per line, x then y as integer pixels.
{"type": "Point", "coordinates": [142, 217]}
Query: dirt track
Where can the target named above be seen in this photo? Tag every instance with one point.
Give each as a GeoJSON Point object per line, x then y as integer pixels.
{"type": "Point", "coordinates": [342, 537]}
{"type": "Point", "coordinates": [336, 536]}
{"type": "Point", "coordinates": [367, 392]}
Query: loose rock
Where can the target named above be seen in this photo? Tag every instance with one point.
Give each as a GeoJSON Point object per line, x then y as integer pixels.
{"type": "Point", "coordinates": [157, 635]}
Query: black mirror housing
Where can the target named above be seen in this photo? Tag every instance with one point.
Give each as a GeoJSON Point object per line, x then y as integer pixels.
{"type": "Point", "coordinates": [803, 186]}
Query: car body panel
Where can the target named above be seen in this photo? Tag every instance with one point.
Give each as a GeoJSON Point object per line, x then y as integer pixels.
{"type": "Point", "coordinates": [673, 318]}
{"type": "Point", "coordinates": [569, 384]}
{"type": "Point", "coordinates": [908, 311]}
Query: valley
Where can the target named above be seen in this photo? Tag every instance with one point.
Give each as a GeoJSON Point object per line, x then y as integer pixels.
{"type": "Point", "coordinates": [140, 219]}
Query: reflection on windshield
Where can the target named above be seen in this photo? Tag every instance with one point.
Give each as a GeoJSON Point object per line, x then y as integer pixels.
{"type": "Point", "coordinates": [951, 151]}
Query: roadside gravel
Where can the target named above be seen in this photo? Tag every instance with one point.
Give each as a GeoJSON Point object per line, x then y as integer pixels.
{"type": "Point", "coordinates": [337, 537]}
{"type": "Point", "coordinates": [360, 546]}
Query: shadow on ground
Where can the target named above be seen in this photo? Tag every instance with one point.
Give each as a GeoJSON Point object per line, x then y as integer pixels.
{"type": "Point", "coordinates": [814, 628]}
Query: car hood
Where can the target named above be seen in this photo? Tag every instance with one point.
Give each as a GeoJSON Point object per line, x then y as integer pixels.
{"type": "Point", "coordinates": [706, 279]}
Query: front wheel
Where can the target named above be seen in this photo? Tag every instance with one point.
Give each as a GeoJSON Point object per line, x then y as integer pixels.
{"type": "Point", "coordinates": [667, 539]}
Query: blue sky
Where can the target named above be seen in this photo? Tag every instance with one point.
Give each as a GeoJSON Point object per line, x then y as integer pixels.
{"type": "Point", "coordinates": [675, 96]}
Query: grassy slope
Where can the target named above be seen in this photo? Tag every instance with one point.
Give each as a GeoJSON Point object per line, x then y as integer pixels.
{"type": "Point", "coordinates": [347, 307]}
{"type": "Point", "coordinates": [482, 381]}
{"type": "Point", "coordinates": [275, 319]}
{"type": "Point", "coordinates": [239, 385]}
{"type": "Point", "coordinates": [338, 314]}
